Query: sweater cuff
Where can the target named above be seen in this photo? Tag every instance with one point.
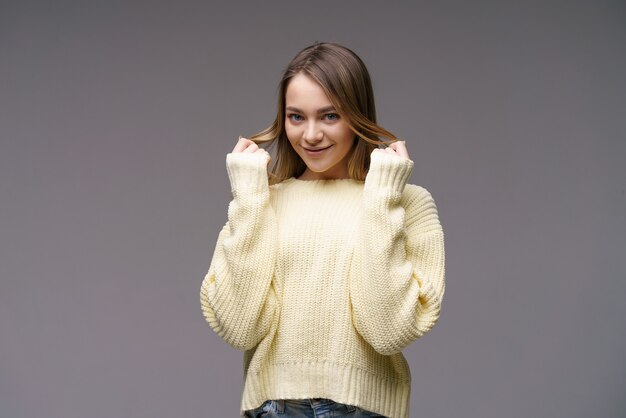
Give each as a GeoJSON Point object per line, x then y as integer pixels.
{"type": "Point", "coordinates": [247, 171]}
{"type": "Point", "coordinates": [388, 171]}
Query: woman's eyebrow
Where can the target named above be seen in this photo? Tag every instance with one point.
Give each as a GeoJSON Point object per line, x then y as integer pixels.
{"type": "Point", "coordinates": [322, 110]}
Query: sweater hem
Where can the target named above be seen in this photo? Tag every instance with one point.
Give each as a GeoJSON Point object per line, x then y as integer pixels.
{"type": "Point", "coordinates": [341, 383]}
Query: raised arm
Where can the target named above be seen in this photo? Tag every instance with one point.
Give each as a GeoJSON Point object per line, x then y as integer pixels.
{"type": "Point", "coordinates": [237, 295]}
{"type": "Point", "coordinates": [398, 283]}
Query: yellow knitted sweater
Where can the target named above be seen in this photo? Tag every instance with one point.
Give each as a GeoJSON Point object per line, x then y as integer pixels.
{"type": "Point", "coordinates": [323, 282]}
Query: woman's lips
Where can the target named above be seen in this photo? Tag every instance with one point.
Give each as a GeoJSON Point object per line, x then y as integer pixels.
{"type": "Point", "coordinates": [317, 152]}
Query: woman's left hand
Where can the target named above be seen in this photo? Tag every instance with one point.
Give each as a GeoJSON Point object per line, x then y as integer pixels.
{"type": "Point", "coordinates": [397, 148]}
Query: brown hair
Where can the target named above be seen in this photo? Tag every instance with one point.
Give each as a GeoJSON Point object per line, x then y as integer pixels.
{"type": "Point", "coordinates": [346, 81]}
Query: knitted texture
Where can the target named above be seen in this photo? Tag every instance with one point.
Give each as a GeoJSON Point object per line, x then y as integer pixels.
{"type": "Point", "coordinates": [322, 283]}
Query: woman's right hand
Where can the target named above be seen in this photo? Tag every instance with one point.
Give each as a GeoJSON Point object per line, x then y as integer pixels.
{"type": "Point", "coordinates": [246, 145]}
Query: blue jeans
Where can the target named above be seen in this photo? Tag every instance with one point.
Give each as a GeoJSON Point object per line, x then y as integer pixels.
{"type": "Point", "coordinates": [308, 408]}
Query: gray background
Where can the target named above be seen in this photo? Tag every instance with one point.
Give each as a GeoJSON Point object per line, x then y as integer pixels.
{"type": "Point", "coordinates": [115, 118]}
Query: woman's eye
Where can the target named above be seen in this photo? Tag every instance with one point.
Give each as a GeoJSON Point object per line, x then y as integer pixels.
{"type": "Point", "coordinates": [331, 116]}
{"type": "Point", "coordinates": [295, 117]}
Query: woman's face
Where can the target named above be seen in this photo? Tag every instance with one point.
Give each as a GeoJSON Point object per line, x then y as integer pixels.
{"type": "Point", "coordinates": [316, 131]}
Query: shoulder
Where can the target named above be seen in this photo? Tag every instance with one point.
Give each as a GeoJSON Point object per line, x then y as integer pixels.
{"type": "Point", "coordinates": [416, 195]}
{"type": "Point", "coordinates": [419, 205]}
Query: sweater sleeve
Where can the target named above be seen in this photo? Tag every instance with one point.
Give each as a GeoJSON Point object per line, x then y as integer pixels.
{"type": "Point", "coordinates": [398, 283]}
{"type": "Point", "coordinates": [237, 295]}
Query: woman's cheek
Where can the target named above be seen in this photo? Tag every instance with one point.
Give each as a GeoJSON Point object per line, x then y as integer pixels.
{"type": "Point", "coordinates": [289, 130]}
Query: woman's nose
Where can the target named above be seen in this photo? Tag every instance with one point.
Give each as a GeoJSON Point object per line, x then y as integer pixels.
{"type": "Point", "coordinates": [312, 132]}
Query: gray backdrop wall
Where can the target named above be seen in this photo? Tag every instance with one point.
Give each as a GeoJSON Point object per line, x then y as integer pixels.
{"type": "Point", "coordinates": [115, 119]}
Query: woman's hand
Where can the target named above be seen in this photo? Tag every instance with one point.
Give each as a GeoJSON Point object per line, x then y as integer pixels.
{"type": "Point", "coordinates": [245, 145]}
{"type": "Point", "coordinates": [397, 148]}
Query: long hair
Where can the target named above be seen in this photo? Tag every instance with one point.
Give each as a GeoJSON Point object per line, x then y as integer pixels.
{"type": "Point", "coordinates": [346, 81]}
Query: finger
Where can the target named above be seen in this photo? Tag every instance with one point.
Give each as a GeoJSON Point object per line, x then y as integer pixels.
{"type": "Point", "coordinates": [242, 143]}
{"type": "Point", "coordinates": [400, 149]}
{"type": "Point", "coordinates": [252, 147]}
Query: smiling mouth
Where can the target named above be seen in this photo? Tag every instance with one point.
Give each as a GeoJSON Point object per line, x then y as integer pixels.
{"type": "Point", "coordinates": [317, 149]}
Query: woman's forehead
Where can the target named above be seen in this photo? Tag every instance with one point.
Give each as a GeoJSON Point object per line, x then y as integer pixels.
{"type": "Point", "coordinates": [306, 94]}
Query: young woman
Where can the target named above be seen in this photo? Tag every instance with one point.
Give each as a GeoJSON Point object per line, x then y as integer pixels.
{"type": "Point", "coordinates": [330, 263]}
